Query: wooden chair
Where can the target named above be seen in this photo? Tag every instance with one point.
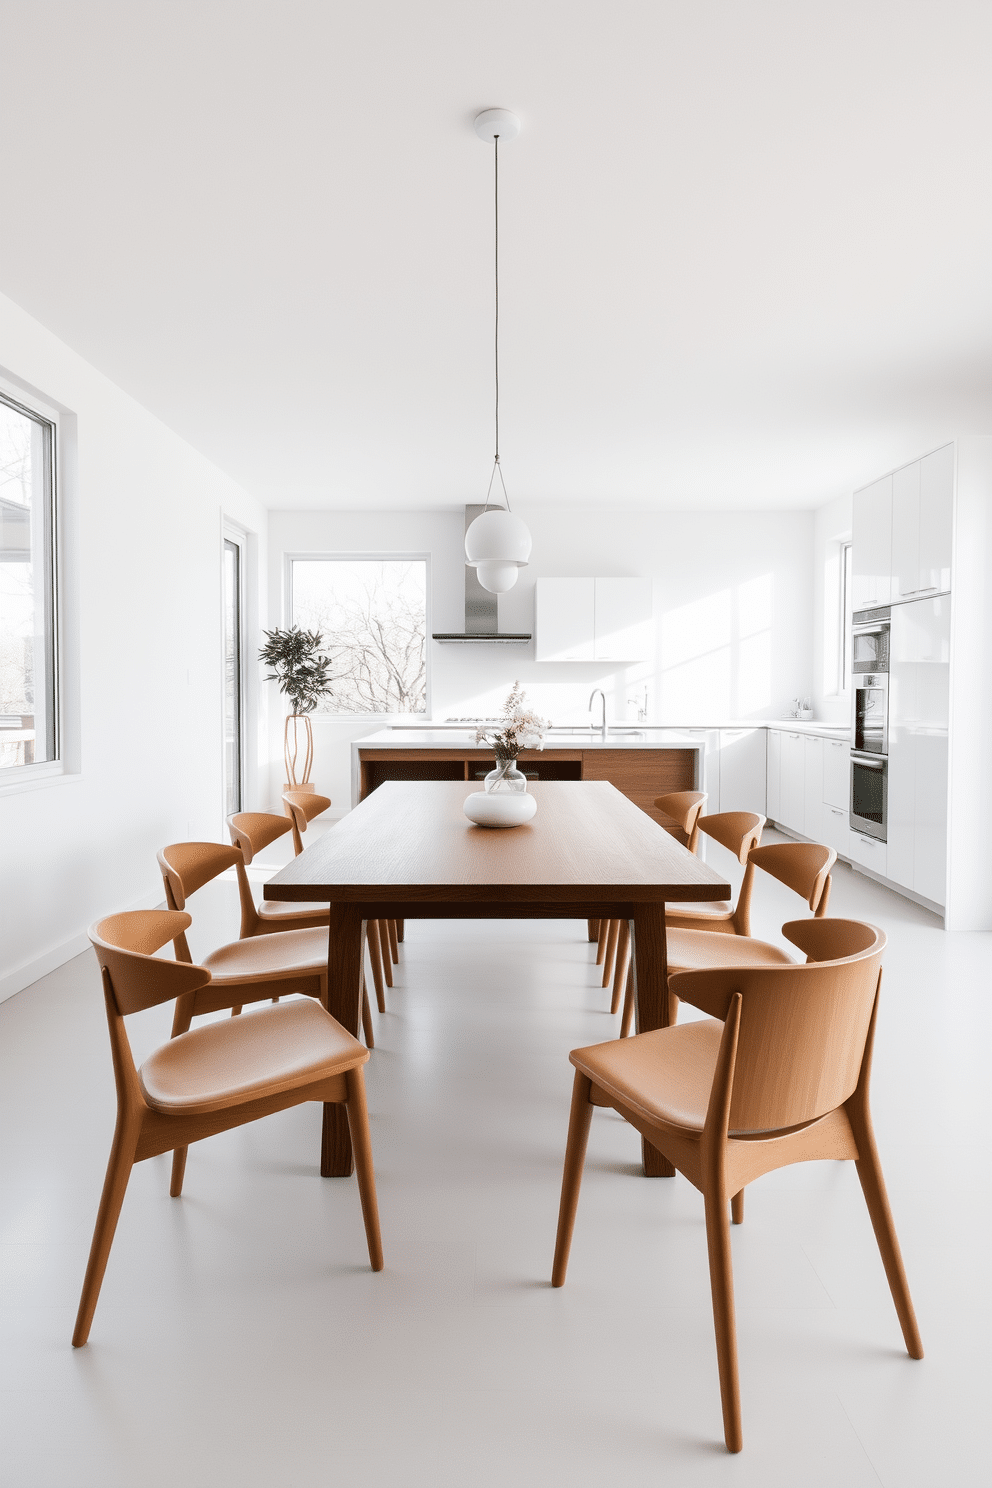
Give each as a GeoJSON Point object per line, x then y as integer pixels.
{"type": "Point", "coordinates": [781, 1078]}
{"type": "Point", "coordinates": [262, 966]}
{"type": "Point", "coordinates": [801, 866]}
{"type": "Point", "coordinates": [684, 808]}
{"type": "Point", "coordinates": [383, 936]}
{"type": "Point", "coordinates": [252, 831]}
{"type": "Point", "coordinates": [214, 1078]}
{"type": "Point", "coordinates": [738, 832]}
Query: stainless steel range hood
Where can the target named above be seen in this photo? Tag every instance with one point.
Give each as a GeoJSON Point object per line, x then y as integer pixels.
{"type": "Point", "coordinates": [481, 611]}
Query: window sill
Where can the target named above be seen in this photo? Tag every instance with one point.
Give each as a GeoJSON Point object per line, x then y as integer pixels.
{"type": "Point", "coordinates": [41, 777]}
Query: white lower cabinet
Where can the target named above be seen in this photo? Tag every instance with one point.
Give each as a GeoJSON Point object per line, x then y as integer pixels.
{"type": "Point", "coordinates": [813, 787]}
{"type": "Point", "coordinates": [836, 830]}
{"type": "Point", "coordinates": [773, 776]}
{"type": "Point", "coordinates": [742, 770]}
{"type": "Point", "coordinates": [837, 774]}
{"type": "Point", "coordinates": [792, 798]}
{"type": "Point", "coordinates": [870, 853]}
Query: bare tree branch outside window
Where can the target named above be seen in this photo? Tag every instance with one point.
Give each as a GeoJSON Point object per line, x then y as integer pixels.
{"type": "Point", "coordinates": [372, 614]}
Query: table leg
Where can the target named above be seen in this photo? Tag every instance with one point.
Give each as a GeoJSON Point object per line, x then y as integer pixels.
{"type": "Point", "coordinates": [649, 968]}
{"type": "Point", "coordinates": [345, 965]}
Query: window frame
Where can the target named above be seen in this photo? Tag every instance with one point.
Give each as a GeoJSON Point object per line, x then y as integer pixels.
{"type": "Point", "coordinates": [845, 555]}
{"type": "Point", "coordinates": [238, 540]}
{"type": "Point", "coordinates": [14, 778]}
{"type": "Point", "coordinates": [373, 556]}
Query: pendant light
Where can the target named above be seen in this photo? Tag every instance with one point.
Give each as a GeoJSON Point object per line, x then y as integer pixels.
{"type": "Point", "coordinates": [497, 544]}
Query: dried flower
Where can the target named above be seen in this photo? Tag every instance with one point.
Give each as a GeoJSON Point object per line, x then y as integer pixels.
{"type": "Point", "coordinates": [522, 728]}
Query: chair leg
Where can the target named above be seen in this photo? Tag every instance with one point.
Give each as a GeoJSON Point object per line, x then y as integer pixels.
{"type": "Point", "coordinates": [367, 1018]}
{"type": "Point", "coordinates": [579, 1122]}
{"type": "Point", "coordinates": [178, 1171]}
{"type": "Point", "coordinates": [394, 940]}
{"type": "Point", "coordinates": [627, 1021]}
{"type": "Point", "coordinates": [873, 1187]}
{"type": "Point", "coordinates": [375, 957]}
{"type": "Point", "coordinates": [114, 1188]}
{"type": "Point", "coordinates": [361, 1144]}
{"type": "Point", "coordinates": [722, 1288]}
{"type": "Point", "coordinates": [622, 965]}
{"type": "Point", "coordinates": [602, 927]}
{"type": "Point", "coordinates": [737, 1207]}
{"type": "Point", "coordinates": [385, 955]}
{"type": "Point", "coordinates": [611, 952]}
{"type": "Point", "coordinates": [400, 929]}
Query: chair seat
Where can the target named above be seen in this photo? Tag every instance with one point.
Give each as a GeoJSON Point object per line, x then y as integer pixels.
{"type": "Point", "coordinates": [715, 909]}
{"type": "Point", "coordinates": [665, 1075]}
{"type": "Point", "coordinates": [698, 950]}
{"type": "Point", "coordinates": [263, 958]}
{"type": "Point", "coordinates": [259, 1054]}
{"type": "Point", "coordinates": [285, 909]}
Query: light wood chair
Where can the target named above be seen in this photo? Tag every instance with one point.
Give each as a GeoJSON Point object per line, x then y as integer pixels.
{"type": "Point", "coordinates": [262, 966]}
{"type": "Point", "coordinates": [803, 867]}
{"type": "Point", "coordinates": [211, 1079]}
{"type": "Point", "coordinates": [738, 832]}
{"type": "Point", "coordinates": [382, 935]}
{"type": "Point", "coordinates": [683, 807]}
{"type": "Point", "coordinates": [778, 1073]}
{"type": "Point", "coordinates": [252, 832]}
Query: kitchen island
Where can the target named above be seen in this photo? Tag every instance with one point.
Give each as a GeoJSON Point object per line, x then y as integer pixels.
{"type": "Point", "coordinates": [641, 763]}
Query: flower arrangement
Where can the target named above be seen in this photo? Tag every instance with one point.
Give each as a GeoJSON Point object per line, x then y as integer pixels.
{"type": "Point", "coordinates": [522, 729]}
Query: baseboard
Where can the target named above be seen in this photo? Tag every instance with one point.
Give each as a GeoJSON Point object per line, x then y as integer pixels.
{"type": "Point", "coordinates": [33, 970]}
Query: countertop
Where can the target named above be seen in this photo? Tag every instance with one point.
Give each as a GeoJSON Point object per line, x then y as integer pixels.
{"type": "Point", "coordinates": [619, 736]}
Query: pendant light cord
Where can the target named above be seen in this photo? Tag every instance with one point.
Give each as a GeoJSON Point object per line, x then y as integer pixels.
{"type": "Point", "coordinates": [497, 469]}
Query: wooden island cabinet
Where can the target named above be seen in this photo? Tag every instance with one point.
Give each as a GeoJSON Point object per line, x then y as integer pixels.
{"type": "Point", "coordinates": [640, 773]}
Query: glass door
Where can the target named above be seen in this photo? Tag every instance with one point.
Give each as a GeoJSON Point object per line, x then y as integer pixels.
{"type": "Point", "coordinates": [233, 680]}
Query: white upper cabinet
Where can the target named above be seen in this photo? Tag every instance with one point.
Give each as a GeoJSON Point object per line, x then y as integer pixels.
{"type": "Point", "coordinates": [936, 520]}
{"type": "Point", "coordinates": [872, 556]}
{"type": "Point", "coordinates": [564, 620]}
{"type": "Point", "coordinates": [922, 503]}
{"type": "Point", "coordinates": [624, 620]}
{"type": "Point", "coordinates": [906, 531]}
{"type": "Point", "coordinates": [594, 620]}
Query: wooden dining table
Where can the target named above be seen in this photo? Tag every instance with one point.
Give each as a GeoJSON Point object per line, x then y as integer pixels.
{"type": "Point", "coordinates": [408, 852]}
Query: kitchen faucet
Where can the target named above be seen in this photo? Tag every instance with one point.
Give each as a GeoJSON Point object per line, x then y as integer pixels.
{"type": "Point", "coordinates": [598, 691]}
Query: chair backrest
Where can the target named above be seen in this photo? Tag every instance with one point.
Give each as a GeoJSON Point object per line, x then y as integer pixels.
{"type": "Point", "coordinates": [136, 978]}
{"type": "Point", "coordinates": [803, 1029]}
{"type": "Point", "coordinates": [684, 807]}
{"type": "Point", "coordinates": [303, 806]}
{"type": "Point", "coordinates": [187, 866]}
{"type": "Point", "coordinates": [254, 830]}
{"type": "Point", "coordinates": [803, 867]}
{"type": "Point", "coordinates": [737, 831]}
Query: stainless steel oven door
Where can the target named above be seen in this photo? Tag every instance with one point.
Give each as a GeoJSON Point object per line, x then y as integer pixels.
{"type": "Point", "coordinates": [869, 795]}
{"type": "Point", "coordinates": [871, 713]}
{"type": "Point", "coordinates": [870, 648]}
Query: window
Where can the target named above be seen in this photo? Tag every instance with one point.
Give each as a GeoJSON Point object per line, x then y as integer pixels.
{"type": "Point", "coordinates": [843, 670]}
{"type": "Point", "coordinates": [372, 614]}
{"type": "Point", "coordinates": [29, 732]}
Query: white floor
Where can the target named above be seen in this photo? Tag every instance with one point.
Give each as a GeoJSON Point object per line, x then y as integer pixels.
{"type": "Point", "coordinates": [241, 1339]}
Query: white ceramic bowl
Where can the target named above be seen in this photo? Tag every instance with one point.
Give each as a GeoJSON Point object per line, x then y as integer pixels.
{"type": "Point", "coordinates": [500, 808]}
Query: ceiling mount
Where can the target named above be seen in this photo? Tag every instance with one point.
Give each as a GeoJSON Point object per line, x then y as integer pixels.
{"type": "Point", "coordinates": [496, 122]}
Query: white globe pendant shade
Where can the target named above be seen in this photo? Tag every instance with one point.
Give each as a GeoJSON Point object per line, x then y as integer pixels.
{"type": "Point", "coordinates": [497, 545]}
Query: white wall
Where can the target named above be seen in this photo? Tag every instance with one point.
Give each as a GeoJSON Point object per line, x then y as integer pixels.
{"type": "Point", "coordinates": [831, 526]}
{"type": "Point", "coordinates": [142, 564]}
{"type": "Point", "coordinates": [733, 606]}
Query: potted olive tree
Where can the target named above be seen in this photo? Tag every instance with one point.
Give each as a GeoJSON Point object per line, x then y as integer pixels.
{"type": "Point", "coordinates": [301, 670]}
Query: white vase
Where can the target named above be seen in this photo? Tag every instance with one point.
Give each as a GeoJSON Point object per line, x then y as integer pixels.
{"type": "Point", "coordinates": [500, 808]}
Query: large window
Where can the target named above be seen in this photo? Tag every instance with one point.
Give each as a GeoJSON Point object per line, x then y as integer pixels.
{"type": "Point", "coordinates": [233, 688]}
{"type": "Point", "coordinates": [372, 614]}
{"type": "Point", "coordinates": [28, 691]}
{"type": "Point", "coordinates": [846, 559]}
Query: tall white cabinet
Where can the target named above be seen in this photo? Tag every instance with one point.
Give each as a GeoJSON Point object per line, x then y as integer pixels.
{"type": "Point", "coordinates": [919, 710]}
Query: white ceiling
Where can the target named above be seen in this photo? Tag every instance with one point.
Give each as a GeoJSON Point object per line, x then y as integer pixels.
{"type": "Point", "coordinates": [746, 245]}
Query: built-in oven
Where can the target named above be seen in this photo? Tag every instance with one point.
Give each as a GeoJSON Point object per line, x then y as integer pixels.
{"type": "Point", "coordinates": [870, 641]}
{"type": "Point", "coordinates": [871, 713]}
{"type": "Point", "coordinates": [869, 794]}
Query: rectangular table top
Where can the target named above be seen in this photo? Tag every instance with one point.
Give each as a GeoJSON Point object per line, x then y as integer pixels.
{"type": "Point", "coordinates": [410, 840]}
